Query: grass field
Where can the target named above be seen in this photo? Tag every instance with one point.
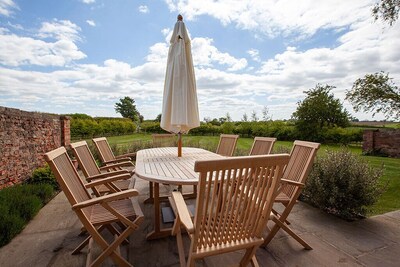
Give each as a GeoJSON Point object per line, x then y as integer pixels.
{"type": "Point", "coordinates": [389, 201]}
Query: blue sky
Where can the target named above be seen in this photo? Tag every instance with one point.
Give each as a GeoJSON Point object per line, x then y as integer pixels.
{"type": "Point", "coordinates": [82, 56]}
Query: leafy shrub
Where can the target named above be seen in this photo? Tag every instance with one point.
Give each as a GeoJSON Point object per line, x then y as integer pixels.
{"type": "Point", "coordinates": [10, 225]}
{"type": "Point", "coordinates": [343, 184]}
{"type": "Point", "coordinates": [44, 192]}
{"type": "Point", "coordinates": [151, 127]}
{"type": "Point", "coordinates": [343, 136]}
{"type": "Point", "coordinates": [83, 126]}
{"type": "Point", "coordinates": [281, 150]}
{"type": "Point", "coordinates": [44, 175]}
{"type": "Point", "coordinates": [18, 205]}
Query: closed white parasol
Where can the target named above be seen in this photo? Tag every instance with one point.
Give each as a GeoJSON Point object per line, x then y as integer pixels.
{"type": "Point", "coordinates": [180, 111]}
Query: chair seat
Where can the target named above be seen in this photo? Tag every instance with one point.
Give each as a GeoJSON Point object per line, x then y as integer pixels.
{"type": "Point", "coordinates": [230, 246]}
{"type": "Point", "coordinates": [121, 184]}
{"type": "Point", "coordinates": [282, 198]}
{"type": "Point", "coordinates": [99, 215]}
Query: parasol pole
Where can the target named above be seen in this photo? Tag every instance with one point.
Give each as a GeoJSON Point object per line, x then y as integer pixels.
{"type": "Point", "coordinates": [179, 144]}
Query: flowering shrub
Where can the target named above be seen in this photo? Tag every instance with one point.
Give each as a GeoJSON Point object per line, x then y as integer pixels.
{"type": "Point", "coordinates": [343, 184]}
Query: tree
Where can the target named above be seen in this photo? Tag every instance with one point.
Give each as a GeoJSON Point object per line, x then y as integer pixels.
{"type": "Point", "coordinates": [127, 108]}
{"type": "Point", "coordinates": [387, 10]}
{"type": "Point", "coordinates": [377, 93]}
{"type": "Point", "coordinates": [245, 118]}
{"type": "Point", "coordinates": [254, 116]}
{"type": "Point", "coordinates": [222, 120]}
{"type": "Point", "coordinates": [265, 114]}
{"type": "Point", "coordinates": [317, 111]}
{"type": "Point", "coordinates": [158, 118]}
{"type": "Point", "coordinates": [228, 117]}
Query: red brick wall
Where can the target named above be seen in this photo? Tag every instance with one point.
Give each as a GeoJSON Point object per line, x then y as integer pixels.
{"type": "Point", "coordinates": [24, 138]}
{"type": "Point", "coordinates": [382, 142]}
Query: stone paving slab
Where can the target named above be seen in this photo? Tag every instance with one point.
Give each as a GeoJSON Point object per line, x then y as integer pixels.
{"type": "Point", "coordinates": [52, 235]}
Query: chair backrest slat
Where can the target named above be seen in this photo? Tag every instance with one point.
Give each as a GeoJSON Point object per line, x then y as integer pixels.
{"type": "Point", "coordinates": [85, 158]}
{"type": "Point", "coordinates": [163, 140]}
{"type": "Point", "coordinates": [300, 164]}
{"type": "Point", "coordinates": [104, 149]}
{"type": "Point", "coordinates": [227, 144]}
{"type": "Point", "coordinates": [262, 146]}
{"type": "Point", "coordinates": [67, 176]}
{"type": "Point", "coordinates": [235, 198]}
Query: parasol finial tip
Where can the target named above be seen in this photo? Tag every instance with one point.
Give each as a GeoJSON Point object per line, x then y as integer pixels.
{"type": "Point", "coordinates": [180, 18]}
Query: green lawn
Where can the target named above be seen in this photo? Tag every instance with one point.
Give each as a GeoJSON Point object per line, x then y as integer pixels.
{"type": "Point", "coordinates": [389, 201]}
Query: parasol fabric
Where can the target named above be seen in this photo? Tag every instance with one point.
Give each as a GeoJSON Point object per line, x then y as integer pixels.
{"type": "Point", "coordinates": [180, 111]}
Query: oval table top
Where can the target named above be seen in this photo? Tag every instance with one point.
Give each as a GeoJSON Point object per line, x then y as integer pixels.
{"type": "Point", "coordinates": [162, 164]}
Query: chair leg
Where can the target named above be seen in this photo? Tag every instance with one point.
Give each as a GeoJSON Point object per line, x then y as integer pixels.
{"type": "Point", "coordinates": [111, 250]}
{"type": "Point", "coordinates": [293, 234]}
{"type": "Point", "coordinates": [181, 249]}
{"type": "Point", "coordinates": [270, 235]}
{"type": "Point", "coordinates": [279, 215]}
{"type": "Point", "coordinates": [279, 224]}
{"type": "Point", "coordinates": [191, 262]}
{"type": "Point", "coordinates": [248, 256]}
{"type": "Point", "coordinates": [86, 241]}
{"type": "Point", "coordinates": [254, 262]}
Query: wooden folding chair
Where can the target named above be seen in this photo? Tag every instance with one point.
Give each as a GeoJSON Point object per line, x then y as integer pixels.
{"type": "Point", "coordinates": [293, 180]}
{"type": "Point", "coordinates": [97, 214]}
{"type": "Point", "coordinates": [92, 172]}
{"type": "Point", "coordinates": [106, 154]}
{"type": "Point", "coordinates": [262, 146]}
{"type": "Point", "coordinates": [163, 140]}
{"type": "Point", "coordinates": [227, 218]}
{"type": "Point", "coordinates": [227, 144]}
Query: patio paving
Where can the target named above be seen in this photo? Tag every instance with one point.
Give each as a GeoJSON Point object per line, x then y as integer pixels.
{"type": "Point", "coordinates": [51, 236]}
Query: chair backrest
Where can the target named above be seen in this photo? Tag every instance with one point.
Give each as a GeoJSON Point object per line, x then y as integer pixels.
{"type": "Point", "coordinates": [235, 198]}
{"type": "Point", "coordinates": [67, 176]}
{"type": "Point", "coordinates": [104, 149]}
{"type": "Point", "coordinates": [300, 164]}
{"type": "Point", "coordinates": [85, 158]}
{"type": "Point", "coordinates": [262, 146]}
{"type": "Point", "coordinates": [227, 144]}
{"type": "Point", "coordinates": [163, 140]}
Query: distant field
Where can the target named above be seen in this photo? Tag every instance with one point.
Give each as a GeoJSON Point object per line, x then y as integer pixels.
{"type": "Point", "coordinates": [384, 124]}
{"type": "Point", "coordinates": [389, 201]}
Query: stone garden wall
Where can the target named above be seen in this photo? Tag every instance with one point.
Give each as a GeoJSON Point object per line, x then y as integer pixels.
{"type": "Point", "coordinates": [24, 138]}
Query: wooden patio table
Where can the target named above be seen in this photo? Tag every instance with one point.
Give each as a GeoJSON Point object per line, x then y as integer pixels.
{"type": "Point", "coordinates": [162, 165]}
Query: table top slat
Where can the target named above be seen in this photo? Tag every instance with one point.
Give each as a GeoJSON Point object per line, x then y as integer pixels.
{"type": "Point", "coordinates": [162, 164]}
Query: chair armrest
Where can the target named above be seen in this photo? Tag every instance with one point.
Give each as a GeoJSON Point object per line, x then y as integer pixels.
{"type": "Point", "coordinates": [132, 156]}
{"type": "Point", "coordinates": [107, 198]}
{"type": "Point", "coordinates": [117, 165]}
{"type": "Point", "coordinates": [108, 180]}
{"type": "Point", "coordinates": [106, 174]}
{"type": "Point", "coordinates": [182, 211]}
{"type": "Point", "coordinates": [290, 182]}
{"type": "Point", "coordinates": [118, 160]}
{"type": "Point", "coordinates": [111, 166]}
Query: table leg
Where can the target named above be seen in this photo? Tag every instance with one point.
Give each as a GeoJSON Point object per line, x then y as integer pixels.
{"type": "Point", "coordinates": [158, 232]}
{"type": "Point", "coordinates": [150, 199]}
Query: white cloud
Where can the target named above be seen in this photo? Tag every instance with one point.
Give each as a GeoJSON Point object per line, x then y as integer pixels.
{"type": "Point", "coordinates": [88, 1]}
{"type": "Point", "coordinates": [60, 30]}
{"type": "Point", "coordinates": [144, 9]}
{"type": "Point", "coordinates": [18, 51]}
{"type": "Point", "coordinates": [301, 18]}
{"type": "Point", "coordinates": [91, 23]}
{"type": "Point", "coordinates": [7, 7]}
{"type": "Point", "coordinates": [205, 55]}
{"type": "Point", "coordinates": [278, 83]}
{"type": "Point", "coordinates": [254, 54]}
